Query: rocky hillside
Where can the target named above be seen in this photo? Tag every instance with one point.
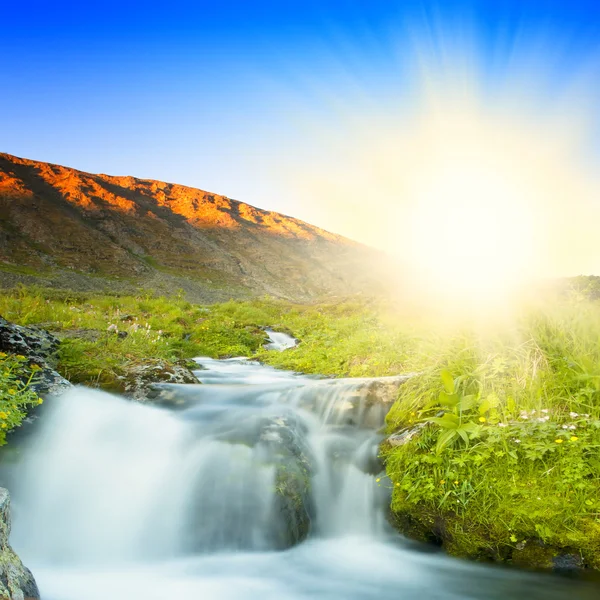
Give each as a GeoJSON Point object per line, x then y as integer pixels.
{"type": "Point", "coordinates": [66, 228]}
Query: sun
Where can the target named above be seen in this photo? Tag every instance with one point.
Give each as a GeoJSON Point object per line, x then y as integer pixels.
{"type": "Point", "coordinates": [472, 229]}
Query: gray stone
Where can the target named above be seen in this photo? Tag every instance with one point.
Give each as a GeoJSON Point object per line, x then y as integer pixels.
{"type": "Point", "coordinates": [16, 580]}
{"type": "Point", "coordinates": [36, 344]}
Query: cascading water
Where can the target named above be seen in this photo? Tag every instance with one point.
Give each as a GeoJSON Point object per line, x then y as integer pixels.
{"type": "Point", "coordinates": [196, 496]}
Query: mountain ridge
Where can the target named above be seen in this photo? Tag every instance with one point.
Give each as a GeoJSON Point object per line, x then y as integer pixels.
{"type": "Point", "coordinates": [65, 227]}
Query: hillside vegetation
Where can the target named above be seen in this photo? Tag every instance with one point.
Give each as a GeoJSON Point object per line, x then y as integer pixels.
{"type": "Point", "coordinates": [64, 228]}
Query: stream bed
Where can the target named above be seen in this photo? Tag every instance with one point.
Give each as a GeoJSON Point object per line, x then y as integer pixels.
{"type": "Point", "coordinates": [257, 483]}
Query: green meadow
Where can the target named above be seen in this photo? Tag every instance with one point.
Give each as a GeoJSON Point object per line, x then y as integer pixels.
{"type": "Point", "coordinates": [503, 460]}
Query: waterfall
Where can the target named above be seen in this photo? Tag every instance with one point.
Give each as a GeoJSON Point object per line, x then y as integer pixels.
{"type": "Point", "coordinates": [109, 480]}
{"type": "Point", "coordinates": [256, 483]}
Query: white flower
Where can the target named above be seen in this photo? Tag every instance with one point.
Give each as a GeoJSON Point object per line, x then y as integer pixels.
{"type": "Point", "coordinates": [586, 416]}
{"type": "Point", "coordinates": [112, 327]}
{"type": "Point", "coordinates": [501, 424]}
{"type": "Point", "coordinates": [572, 427]}
{"type": "Point", "coordinates": [565, 427]}
{"type": "Point", "coordinates": [573, 415]}
{"type": "Point", "coordinates": [517, 441]}
{"type": "Point", "coordinates": [533, 412]}
{"type": "Point", "coordinates": [542, 419]}
{"type": "Point", "coordinates": [544, 410]}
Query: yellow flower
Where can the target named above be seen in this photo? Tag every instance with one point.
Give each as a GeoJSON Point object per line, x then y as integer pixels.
{"type": "Point", "coordinates": [482, 419]}
{"type": "Point", "coordinates": [442, 482]}
{"type": "Point", "coordinates": [456, 483]}
{"type": "Point", "coordinates": [574, 438]}
{"type": "Point", "coordinates": [2, 354]}
{"type": "Point", "coordinates": [378, 480]}
{"type": "Point", "coordinates": [41, 401]}
{"type": "Point", "coordinates": [3, 425]}
{"type": "Point", "coordinates": [20, 357]}
{"type": "Point", "coordinates": [558, 441]}
{"type": "Point", "coordinates": [397, 485]}
{"type": "Point", "coordinates": [3, 415]}
{"type": "Point", "coordinates": [12, 391]}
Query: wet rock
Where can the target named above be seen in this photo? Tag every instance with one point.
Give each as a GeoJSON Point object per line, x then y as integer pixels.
{"type": "Point", "coordinates": [567, 562]}
{"type": "Point", "coordinates": [16, 580]}
{"type": "Point", "coordinates": [362, 402]}
{"type": "Point", "coordinates": [282, 438]}
{"type": "Point", "coordinates": [140, 380]}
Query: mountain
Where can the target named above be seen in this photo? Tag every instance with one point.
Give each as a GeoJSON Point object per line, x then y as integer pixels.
{"type": "Point", "coordinates": [66, 228]}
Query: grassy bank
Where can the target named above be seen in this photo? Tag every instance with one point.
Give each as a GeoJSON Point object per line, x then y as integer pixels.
{"type": "Point", "coordinates": [506, 461]}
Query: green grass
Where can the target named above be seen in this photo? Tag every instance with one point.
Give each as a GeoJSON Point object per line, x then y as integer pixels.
{"type": "Point", "coordinates": [510, 454]}
{"type": "Point", "coordinates": [502, 467]}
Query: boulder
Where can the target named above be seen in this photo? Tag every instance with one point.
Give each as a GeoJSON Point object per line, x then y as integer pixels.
{"type": "Point", "coordinates": [139, 380]}
{"type": "Point", "coordinates": [16, 580]}
{"type": "Point", "coordinates": [39, 347]}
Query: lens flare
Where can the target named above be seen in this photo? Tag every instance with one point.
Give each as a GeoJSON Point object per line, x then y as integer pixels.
{"type": "Point", "coordinates": [477, 174]}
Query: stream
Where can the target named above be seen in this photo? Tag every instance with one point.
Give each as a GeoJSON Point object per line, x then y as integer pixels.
{"type": "Point", "coordinates": [210, 492]}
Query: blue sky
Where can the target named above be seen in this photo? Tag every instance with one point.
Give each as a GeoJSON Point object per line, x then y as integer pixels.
{"type": "Point", "coordinates": [233, 97]}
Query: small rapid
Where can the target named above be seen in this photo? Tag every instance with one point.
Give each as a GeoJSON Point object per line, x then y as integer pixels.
{"type": "Point", "coordinates": [254, 483]}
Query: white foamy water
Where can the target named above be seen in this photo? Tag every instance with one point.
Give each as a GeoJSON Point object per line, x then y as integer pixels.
{"type": "Point", "coordinates": [279, 341]}
{"type": "Point", "coordinates": [117, 500]}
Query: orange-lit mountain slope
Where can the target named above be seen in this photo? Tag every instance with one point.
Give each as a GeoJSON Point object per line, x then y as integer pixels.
{"type": "Point", "coordinates": [67, 228]}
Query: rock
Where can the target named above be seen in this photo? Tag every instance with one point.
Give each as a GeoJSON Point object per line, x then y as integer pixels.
{"type": "Point", "coordinates": [36, 344]}
{"type": "Point", "coordinates": [142, 381]}
{"type": "Point", "coordinates": [405, 435]}
{"type": "Point", "coordinates": [16, 580]}
{"type": "Point", "coordinates": [282, 438]}
{"type": "Point", "coordinates": [39, 347]}
{"type": "Point", "coordinates": [90, 335]}
{"type": "Point", "coordinates": [567, 563]}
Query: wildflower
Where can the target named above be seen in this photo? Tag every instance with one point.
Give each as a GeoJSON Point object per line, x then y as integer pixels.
{"type": "Point", "coordinates": [533, 412]}
{"type": "Point", "coordinates": [20, 357]}
{"type": "Point", "coordinates": [442, 482]}
{"type": "Point", "coordinates": [574, 438]}
{"type": "Point", "coordinates": [573, 415]}
{"type": "Point", "coordinates": [378, 480]}
{"type": "Point", "coordinates": [112, 328]}
{"type": "Point", "coordinates": [558, 441]}
{"type": "Point", "coordinates": [586, 416]}
{"type": "Point", "coordinates": [12, 391]}
{"type": "Point", "coordinates": [3, 415]}
{"type": "Point", "coordinates": [501, 424]}
{"type": "Point", "coordinates": [545, 410]}
{"type": "Point", "coordinates": [4, 426]}
{"type": "Point", "coordinates": [456, 482]}
{"type": "Point", "coordinates": [516, 441]}
{"type": "Point", "coordinates": [40, 401]}
{"type": "Point", "coordinates": [571, 427]}
{"type": "Point", "coordinates": [397, 485]}
{"type": "Point", "coordinates": [36, 368]}
{"type": "Point", "coordinates": [565, 427]}
{"type": "Point", "coordinates": [482, 419]}
{"type": "Point", "coordinates": [2, 354]}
